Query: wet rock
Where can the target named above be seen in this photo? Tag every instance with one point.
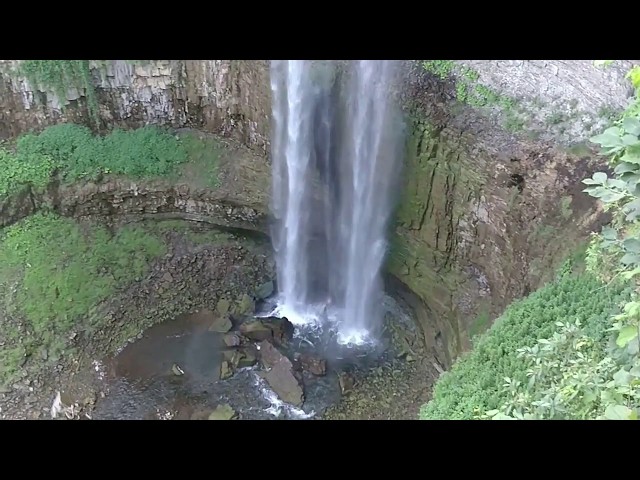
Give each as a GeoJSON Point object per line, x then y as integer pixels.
{"type": "Point", "coordinates": [176, 370]}
{"type": "Point", "coordinates": [221, 324]}
{"type": "Point", "coordinates": [245, 305]}
{"type": "Point", "coordinates": [346, 381]}
{"type": "Point", "coordinates": [284, 383]}
{"type": "Point", "coordinates": [223, 412]}
{"type": "Point", "coordinates": [279, 329]}
{"type": "Point", "coordinates": [231, 340]}
{"type": "Point", "coordinates": [280, 376]}
{"type": "Point", "coordinates": [248, 357]}
{"type": "Point", "coordinates": [223, 306]}
{"type": "Point", "coordinates": [314, 365]}
{"type": "Point", "coordinates": [265, 290]}
{"type": "Point", "coordinates": [225, 370]}
{"type": "Point", "coordinates": [232, 357]}
{"type": "Point", "coordinates": [256, 330]}
{"type": "Point", "coordinates": [269, 354]}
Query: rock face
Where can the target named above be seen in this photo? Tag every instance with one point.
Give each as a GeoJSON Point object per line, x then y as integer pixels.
{"type": "Point", "coordinates": [231, 97]}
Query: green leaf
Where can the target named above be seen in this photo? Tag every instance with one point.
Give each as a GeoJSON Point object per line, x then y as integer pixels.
{"type": "Point", "coordinates": [609, 233]}
{"type": "Point", "coordinates": [635, 371]}
{"type": "Point", "coordinates": [627, 333]}
{"type": "Point", "coordinates": [630, 140]}
{"type": "Point", "coordinates": [630, 156]}
{"type": "Point", "coordinates": [622, 377]}
{"type": "Point", "coordinates": [630, 259]}
{"type": "Point", "coordinates": [599, 177]}
{"type": "Point", "coordinates": [617, 412]}
{"type": "Point", "coordinates": [631, 125]}
{"type": "Point", "coordinates": [632, 245]}
{"type": "Point", "coordinates": [624, 167]}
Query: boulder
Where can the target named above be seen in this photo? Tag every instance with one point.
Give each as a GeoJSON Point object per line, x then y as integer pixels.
{"type": "Point", "coordinates": [221, 324]}
{"type": "Point", "coordinates": [256, 330]}
{"type": "Point", "coordinates": [248, 356]}
{"type": "Point", "coordinates": [347, 382]}
{"type": "Point", "coordinates": [279, 329]}
{"type": "Point", "coordinates": [223, 412]}
{"type": "Point", "coordinates": [225, 370]}
{"type": "Point", "coordinates": [223, 306]}
{"type": "Point", "coordinates": [245, 305]}
{"type": "Point", "coordinates": [265, 290]}
{"type": "Point", "coordinates": [232, 340]}
{"type": "Point", "coordinates": [280, 375]}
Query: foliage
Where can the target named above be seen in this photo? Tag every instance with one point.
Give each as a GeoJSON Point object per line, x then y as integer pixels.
{"type": "Point", "coordinates": [468, 90]}
{"type": "Point", "coordinates": [588, 367]}
{"type": "Point", "coordinates": [76, 154]}
{"type": "Point", "coordinates": [61, 75]}
{"type": "Point", "coordinates": [56, 273]}
{"type": "Point", "coordinates": [475, 383]}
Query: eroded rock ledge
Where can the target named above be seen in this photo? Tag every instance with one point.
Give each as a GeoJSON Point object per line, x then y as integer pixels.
{"type": "Point", "coordinates": [117, 197]}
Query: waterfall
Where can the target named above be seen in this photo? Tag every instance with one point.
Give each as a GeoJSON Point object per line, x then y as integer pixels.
{"type": "Point", "coordinates": [336, 150]}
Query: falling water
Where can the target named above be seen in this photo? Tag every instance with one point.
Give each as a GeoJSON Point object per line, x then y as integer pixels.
{"type": "Point", "coordinates": [336, 160]}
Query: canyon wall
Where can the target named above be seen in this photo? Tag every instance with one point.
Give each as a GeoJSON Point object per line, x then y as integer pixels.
{"type": "Point", "coordinates": [495, 154]}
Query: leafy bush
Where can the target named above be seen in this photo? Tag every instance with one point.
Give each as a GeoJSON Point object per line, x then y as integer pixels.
{"type": "Point", "coordinates": [475, 384]}
{"type": "Point", "coordinates": [77, 154]}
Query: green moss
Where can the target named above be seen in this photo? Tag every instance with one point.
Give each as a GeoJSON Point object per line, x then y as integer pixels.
{"type": "Point", "coordinates": [475, 383]}
{"type": "Point", "coordinates": [53, 273]}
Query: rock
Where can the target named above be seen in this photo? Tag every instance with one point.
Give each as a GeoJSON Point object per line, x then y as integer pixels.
{"type": "Point", "coordinates": [279, 329]}
{"type": "Point", "coordinates": [270, 355]}
{"type": "Point", "coordinates": [176, 370]}
{"type": "Point", "coordinates": [232, 357]}
{"type": "Point", "coordinates": [256, 330]}
{"type": "Point", "coordinates": [221, 324]}
{"type": "Point", "coordinates": [231, 339]}
{"type": "Point", "coordinates": [282, 328]}
{"type": "Point", "coordinates": [223, 306]}
{"type": "Point", "coordinates": [248, 357]}
{"type": "Point", "coordinates": [314, 365]}
{"type": "Point", "coordinates": [346, 381]}
{"type": "Point", "coordinates": [280, 377]}
{"type": "Point", "coordinates": [265, 290]}
{"type": "Point", "coordinates": [283, 382]}
{"type": "Point", "coordinates": [167, 278]}
{"type": "Point", "coordinates": [245, 305]}
{"type": "Point", "coordinates": [5, 389]}
{"type": "Point", "coordinates": [225, 370]}
{"type": "Point", "coordinates": [223, 412]}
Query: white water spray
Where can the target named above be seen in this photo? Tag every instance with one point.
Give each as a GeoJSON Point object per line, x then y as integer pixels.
{"type": "Point", "coordinates": [336, 160]}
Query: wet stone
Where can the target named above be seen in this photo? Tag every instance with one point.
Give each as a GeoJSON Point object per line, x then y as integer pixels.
{"type": "Point", "coordinates": [231, 340]}
{"type": "Point", "coordinates": [221, 324]}
{"type": "Point", "coordinates": [265, 290]}
{"type": "Point", "coordinates": [223, 306]}
{"type": "Point", "coordinates": [225, 370]}
{"type": "Point", "coordinates": [280, 376]}
{"type": "Point", "coordinates": [223, 412]}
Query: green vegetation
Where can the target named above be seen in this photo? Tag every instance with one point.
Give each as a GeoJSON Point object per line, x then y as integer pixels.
{"type": "Point", "coordinates": [76, 154]}
{"type": "Point", "coordinates": [571, 349]}
{"type": "Point", "coordinates": [54, 284]}
{"type": "Point", "coordinates": [468, 90]}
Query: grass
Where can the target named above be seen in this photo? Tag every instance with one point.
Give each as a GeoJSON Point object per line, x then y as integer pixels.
{"type": "Point", "coordinates": [76, 154]}
{"type": "Point", "coordinates": [52, 273]}
{"type": "Point", "coordinates": [474, 384]}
